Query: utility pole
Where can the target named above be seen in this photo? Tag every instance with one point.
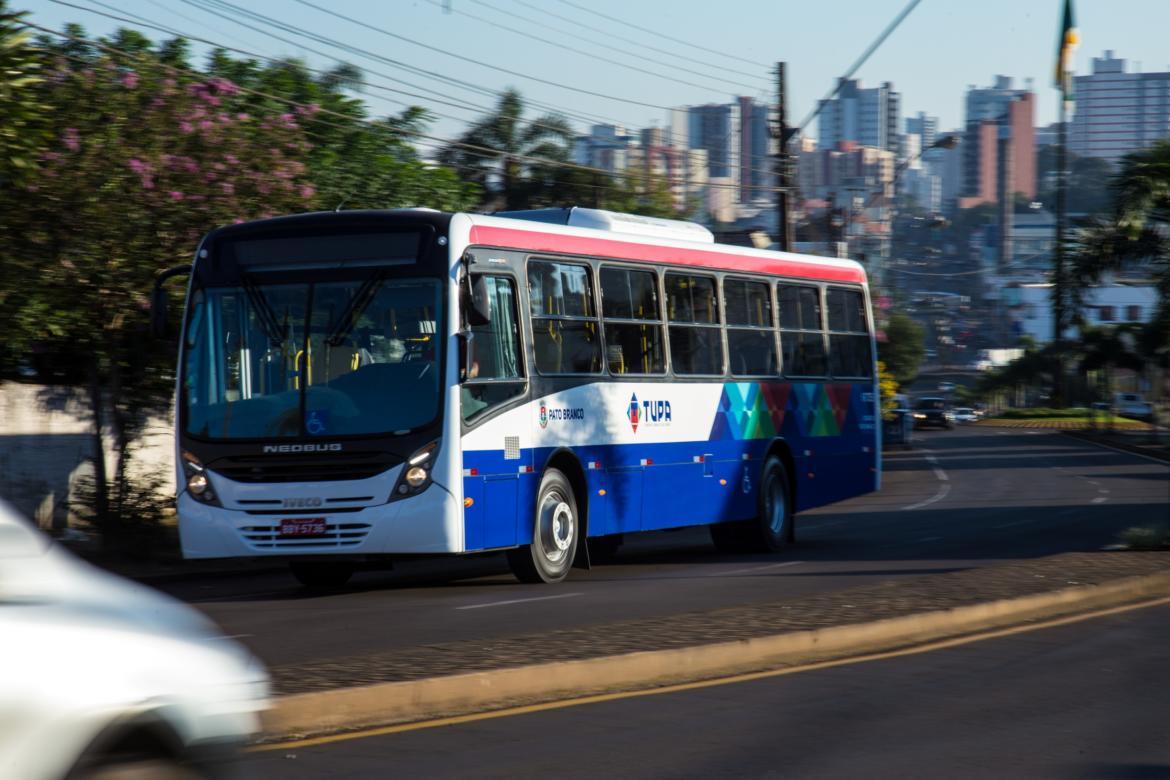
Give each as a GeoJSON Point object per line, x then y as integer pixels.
{"type": "Point", "coordinates": [783, 135]}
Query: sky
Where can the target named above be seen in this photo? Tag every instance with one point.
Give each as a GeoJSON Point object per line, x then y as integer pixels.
{"type": "Point", "coordinates": [723, 49]}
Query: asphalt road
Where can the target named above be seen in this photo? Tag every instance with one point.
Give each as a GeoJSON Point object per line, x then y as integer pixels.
{"type": "Point", "coordinates": [962, 498]}
{"type": "Point", "coordinates": [1085, 700]}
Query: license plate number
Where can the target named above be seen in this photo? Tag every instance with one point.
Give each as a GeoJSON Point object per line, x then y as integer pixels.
{"type": "Point", "coordinates": [302, 526]}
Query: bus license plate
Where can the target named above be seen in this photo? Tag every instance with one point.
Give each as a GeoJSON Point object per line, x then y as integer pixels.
{"type": "Point", "coordinates": [302, 526]}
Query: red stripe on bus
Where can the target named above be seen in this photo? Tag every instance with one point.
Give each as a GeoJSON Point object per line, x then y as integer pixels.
{"type": "Point", "coordinates": [535, 241]}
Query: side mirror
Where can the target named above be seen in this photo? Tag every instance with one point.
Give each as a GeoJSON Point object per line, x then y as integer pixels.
{"type": "Point", "coordinates": [480, 310]}
{"type": "Point", "coordinates": [158, 300]}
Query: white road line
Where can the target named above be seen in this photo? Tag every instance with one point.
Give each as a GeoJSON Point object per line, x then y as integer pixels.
{"type": "Point", "coordinates": [756, 568]}
{"type": "Point", "coordinates": [943, 490]}
{"type": "Point", "coordinates": [1150, 458]}
{"type": "Point", "coordinates": [1099, 500]}
{"type": "Point", "coordinates": [519, 601]}
{"type": "Point", "coordinates": [927, 539]}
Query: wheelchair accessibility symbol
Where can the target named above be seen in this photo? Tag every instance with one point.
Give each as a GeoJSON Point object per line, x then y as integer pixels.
{"type": "Point", "coordinates": [317, 422]}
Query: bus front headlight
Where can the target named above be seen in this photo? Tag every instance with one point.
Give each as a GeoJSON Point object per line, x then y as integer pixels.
{"type": "Point", "coordinates": [416, 473]}
{"type": "Point", "coordinates": [198, 481]}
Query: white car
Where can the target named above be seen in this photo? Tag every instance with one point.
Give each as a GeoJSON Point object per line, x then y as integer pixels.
{"type": "Point", "coordinates": [964, 414]}
{"type": "Point", "coordinates": [1132, 405]}
{"type": "Point", "coordinates": [101, 677]}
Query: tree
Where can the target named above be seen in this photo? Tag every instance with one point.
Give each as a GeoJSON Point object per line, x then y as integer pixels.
{"type": "Point", "coordinates": [903, 348]}
{"type": "Point", "coordinates": [497, 151]}
{"type": "Point", "coordinates": [23, 117]}
{"type": "Point", "coordinates": [143, 163]}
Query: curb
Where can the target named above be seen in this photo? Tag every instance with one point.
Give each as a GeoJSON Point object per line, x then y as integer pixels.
{"type": "Point", "coordinates": [381, 704]}
{"type": "Point", "coordinates": [1133, 449]}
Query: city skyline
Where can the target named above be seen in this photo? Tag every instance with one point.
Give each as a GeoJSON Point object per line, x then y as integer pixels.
{"type": "Point", "coordinates": [820, 43]}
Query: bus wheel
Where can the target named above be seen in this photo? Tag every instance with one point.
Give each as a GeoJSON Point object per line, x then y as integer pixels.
{"type": "Point", "coordinates": [321, 574]}
{"type": "Point", "coordinates": [775, 527]}
{"type": "Point", "coordinates": [554, 535]}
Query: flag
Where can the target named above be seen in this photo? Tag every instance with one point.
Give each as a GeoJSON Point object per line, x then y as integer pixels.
{"type": "Point", "coordinates": [1064, 50]}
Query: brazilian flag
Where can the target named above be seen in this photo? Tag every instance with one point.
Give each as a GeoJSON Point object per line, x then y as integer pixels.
{"type": "Point", "coordinates": [1064, 50]}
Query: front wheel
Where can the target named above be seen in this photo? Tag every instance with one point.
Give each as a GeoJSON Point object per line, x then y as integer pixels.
{"type": "Point", "coordinates": [554, 535]}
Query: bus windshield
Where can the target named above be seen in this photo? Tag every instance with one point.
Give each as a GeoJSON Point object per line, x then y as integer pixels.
{"type": "Point", "coordinates": [312, 358]}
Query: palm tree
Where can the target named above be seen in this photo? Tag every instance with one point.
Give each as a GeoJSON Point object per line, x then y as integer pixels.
{"type": "Point", "coordinates": [1138, 231]}
{"type": "Point", "coordinates": [497, 151]}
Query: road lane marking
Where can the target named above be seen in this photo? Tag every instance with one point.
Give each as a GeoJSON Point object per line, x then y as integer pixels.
{"type": "Point", "coordinates": [927, 540]}
{"type": "Point", "coordinates": [528, 709]}
{"type": "Point", "coordinates": [520, 601]}
{"type": "Point", "coordinates": [943, 490]}
{"type": "Point", "coordinates": [940, 474]}
{"type": "Point", "coordinates": [1150, 458]}
{"type": "Point", "coordinates": [756, 568]}
{"type": "Point", "coordinates": [1099, 500]}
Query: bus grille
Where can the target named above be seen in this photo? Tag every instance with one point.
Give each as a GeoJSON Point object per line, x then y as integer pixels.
{"type": "Point", "coordinates": [276, 469]}
{"type": "Point", "coordinates": [337, 535]}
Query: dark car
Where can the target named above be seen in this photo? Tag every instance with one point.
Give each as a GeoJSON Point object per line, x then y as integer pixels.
{"type": "Point", "coordinates": [932, 412]}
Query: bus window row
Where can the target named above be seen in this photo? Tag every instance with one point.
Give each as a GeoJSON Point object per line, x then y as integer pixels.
{"type": "Point", "coordinates": [635, 318]}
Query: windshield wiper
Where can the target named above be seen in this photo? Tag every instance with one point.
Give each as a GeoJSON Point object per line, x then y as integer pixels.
{"type": "Point", "coordinates": [353, 312]}
{"type": "Point", "coordinates": [271, 326]}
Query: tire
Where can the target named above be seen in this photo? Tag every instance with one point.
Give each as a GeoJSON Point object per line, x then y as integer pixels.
{"type": "Point", "coordinates": [140, 769]}
{"type": "Point", "coordinates": [321, 574]}
{"type": "Point", "coordinates": [775, 526]}
{"type": "Point", "coordinates": [556, 526]}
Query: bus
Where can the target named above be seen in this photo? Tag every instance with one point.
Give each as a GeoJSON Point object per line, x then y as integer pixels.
{"type": "Point", "coordinates": [359, 385]}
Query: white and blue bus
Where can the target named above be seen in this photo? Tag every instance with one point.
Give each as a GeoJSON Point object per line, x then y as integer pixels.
{"type": "Point", "coordinates": [359, 385]}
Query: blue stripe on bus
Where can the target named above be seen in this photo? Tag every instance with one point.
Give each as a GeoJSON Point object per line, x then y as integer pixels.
{"type": "Point", "coordinates": [655, 486]}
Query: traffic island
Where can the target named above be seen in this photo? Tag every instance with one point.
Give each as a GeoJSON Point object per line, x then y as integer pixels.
{"type": "Point", "coordinates": [441, 680]}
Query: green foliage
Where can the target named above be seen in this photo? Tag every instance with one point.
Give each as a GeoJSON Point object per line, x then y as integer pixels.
{"type": "Point", "coordinates": [141, 158]}
{"type": "Point", "coordinates": [903, 348]}
{"type": "Point", "coordinates": [888, 387]}
{"type": "Point", "coordinates": [23, 116]}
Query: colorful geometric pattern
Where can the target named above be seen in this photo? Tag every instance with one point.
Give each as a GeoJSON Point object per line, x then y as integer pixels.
{"type": "Point", "coordinates": [756, 410]}
{"type": "Point", "coordinates": [750, 410]}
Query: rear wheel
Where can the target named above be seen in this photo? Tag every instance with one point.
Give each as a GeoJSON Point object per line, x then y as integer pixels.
{"type": "Point", "coordinates": [321, 574]}
{"type": "Point", "coordinates": [554, 533]}
{"type": "Point", "coordinates": [773, 528]}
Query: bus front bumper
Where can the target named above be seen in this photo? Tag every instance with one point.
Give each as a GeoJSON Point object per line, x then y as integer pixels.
{"type": "Point", "coordinates": [430, 522]}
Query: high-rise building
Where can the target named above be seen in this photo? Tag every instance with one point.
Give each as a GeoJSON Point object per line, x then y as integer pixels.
{"type": "Point", "coordinates": [755, 164]}
{"type": "Point", "coordinates": [713, 127]}
{"type": "Point", "coordinates": [1118, 112]}
{"type": "Point", "coordinates": [996, 116]}
{"type": "Point", "coordinates": [923, 126]}
{"type": "Point", "coordinates": [869, 117]}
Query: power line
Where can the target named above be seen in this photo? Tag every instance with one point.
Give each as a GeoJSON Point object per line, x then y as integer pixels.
{"type": "Point", "coordinates": [481, 63]}
{"type": "Point", "coordinates": [865, 55]}
{"type": "Point", "coordinates": [473, 148]}
{"type": "Point", "coordinates": [641, 44]}
{"type": "Point", "coordinates": [661, 34]}
{"type": "Point", "coordinates": [732, 162]}
{"type": "Point", "coordinates": [592, 55]}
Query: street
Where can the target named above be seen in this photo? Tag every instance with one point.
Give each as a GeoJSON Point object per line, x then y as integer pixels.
{"type": "Point", "coordinates": [964, 498]}
{"type": "Point", "coordinates": [1085, 700]}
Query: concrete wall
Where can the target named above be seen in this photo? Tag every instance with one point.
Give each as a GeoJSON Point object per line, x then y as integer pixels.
{"type": "Point", "coordinates": [46, 448]}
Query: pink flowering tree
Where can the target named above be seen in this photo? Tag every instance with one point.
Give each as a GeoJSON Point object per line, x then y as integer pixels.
{"type": "Point", "coordinates": [143, 161]}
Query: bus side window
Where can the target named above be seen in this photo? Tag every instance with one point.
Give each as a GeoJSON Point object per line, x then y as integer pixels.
{"type": "Point", "coordinates": [497, 372]}
{"type": "Point", "coordinates": [850, 353]}
{"type": "Point", "coordinates": [802, 337]}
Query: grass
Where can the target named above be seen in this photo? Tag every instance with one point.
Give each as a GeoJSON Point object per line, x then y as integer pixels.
{"type": "Point", "coordinates": [1145, 537]}
{"type": "Point", "coordinates": [1068, 421]}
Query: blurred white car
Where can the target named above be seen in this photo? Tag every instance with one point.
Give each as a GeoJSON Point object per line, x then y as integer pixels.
{"type": "Point", "coordinates": [101, 677]}
{"type": "Point", "coordinates": [964, 414]}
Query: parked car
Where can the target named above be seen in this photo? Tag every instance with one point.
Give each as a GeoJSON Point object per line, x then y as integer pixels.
{"type": "Point", "coordinates": [932, 412]}
{"type": "Point", "coordinates": [107, 678]}
{"type": "Point", "coordinates": [1132, 405]}
{"type": "Point", "coordinates": [964, 414]}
